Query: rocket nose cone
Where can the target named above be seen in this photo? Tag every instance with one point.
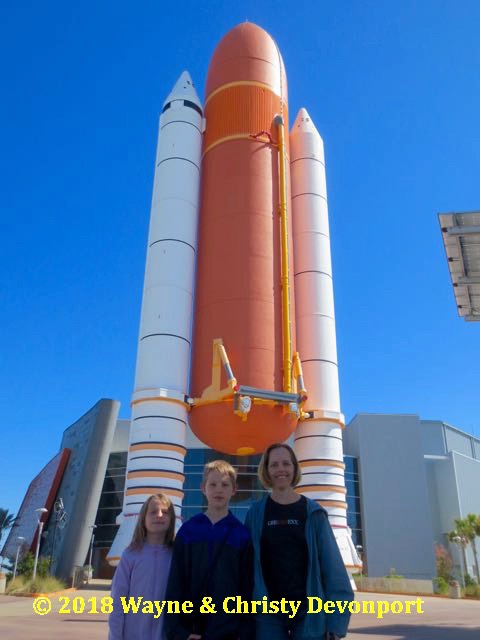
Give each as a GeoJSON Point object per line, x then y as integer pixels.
{"type": "Point", "coordinates": [303, 124]}
{"type": "Point", "coordinates": [305, 141]}
{"type": "Point", "coordinates": [246, 53]}
{"type": "Point", "coordinates": [303, 115]}
{"type": "Point", "coordinates": [184, 90]}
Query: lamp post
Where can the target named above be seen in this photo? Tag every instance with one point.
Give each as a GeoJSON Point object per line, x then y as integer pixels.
{"type": "Point", "coordinates": [458, 540]}
{"type": "Point", "coordinates": [90, 568]}
{"type": "Point", "coordinates": [359, 549]}
{"type": "Point", "coordinates": [21, 540]}
{"type": "Point", "coordinates": [40, 512]}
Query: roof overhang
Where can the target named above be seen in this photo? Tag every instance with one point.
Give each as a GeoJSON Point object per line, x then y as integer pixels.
{"type": "Point", "coordinates": [461, 237]}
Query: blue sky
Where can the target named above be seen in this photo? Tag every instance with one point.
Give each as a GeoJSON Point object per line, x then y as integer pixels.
{"type": "Point", "coordinates": [394, 90]}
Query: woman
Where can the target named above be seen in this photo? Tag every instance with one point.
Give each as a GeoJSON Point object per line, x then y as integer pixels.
{"type": "Point", "coordinates": [296, 555]}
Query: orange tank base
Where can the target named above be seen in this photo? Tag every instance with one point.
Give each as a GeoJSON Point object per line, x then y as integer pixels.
{"type": "Point", "coordinates": [219, 428]}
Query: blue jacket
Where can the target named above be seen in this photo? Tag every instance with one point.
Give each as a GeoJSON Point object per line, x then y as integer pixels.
{"type": "Point", "coordinates": [198, 543]}
{"type": "Point", "coordinates": [327, 577]}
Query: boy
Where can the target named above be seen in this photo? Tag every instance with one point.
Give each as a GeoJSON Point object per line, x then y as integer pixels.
{"type": "Point", "coordinates": [212, 557]}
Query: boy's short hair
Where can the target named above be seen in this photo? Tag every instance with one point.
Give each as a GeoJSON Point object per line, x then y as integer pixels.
{"type": "Point", "coordinates": [223, 467]}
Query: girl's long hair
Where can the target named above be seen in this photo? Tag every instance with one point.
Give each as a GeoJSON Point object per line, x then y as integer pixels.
{"type": "Point", "coordinates": [140, 533]}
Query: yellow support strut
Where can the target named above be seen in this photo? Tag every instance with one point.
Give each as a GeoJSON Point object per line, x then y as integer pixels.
{"type": "Point", "coordinates": [286, 319]}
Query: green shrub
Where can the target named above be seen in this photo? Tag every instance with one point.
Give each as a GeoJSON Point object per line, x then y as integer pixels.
{"type": "Point", "coordinates": [472, 590]}
{"type": "Point", "coordinates": [25, 566]}
{"type": "Point", "coordinates": [443, 562]}
{"type": "Point", "coordinates": [392, 575]}
{"type": "Point", "coordinates": [47, 584]}
{"type": "Point", "coordinates": [441, 585]}
{"type": "Point", "coordinates": [469, 581]}
{"type": "Point", "coordinates": [14, 586]}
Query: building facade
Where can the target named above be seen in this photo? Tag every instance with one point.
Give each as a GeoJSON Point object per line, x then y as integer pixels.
{"type": "Point", "coordinates": [249, 490]}
{"type": "Point", "coordinates": [407, 480]}
{"type": "Point", "coordinates": [415, 478]}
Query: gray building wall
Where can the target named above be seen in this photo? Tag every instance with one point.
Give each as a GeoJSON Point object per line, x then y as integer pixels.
{"type": "Point", "coordinates": [433, 437]}
{"type": "Point", "coordinates": [467, 472]}
{"type": "Point", "coordinates": [394, 494]}
{"type": "Point", "coordinates": [455, 489]}
{"type": "Point", "coordinates": [121, 436]}
{"type": "Point", "coordinates": [455, 482]}
{"type": "Point", "coordinates": [458, 441]}
{"type": "Point", "coordinates": [90, 440]}
{"type": "Point", "coordinates": [444, 497]}
{"type": "Point", "coordinates": [439, 438]}
{"type": "Point", "coordinates": [476, 449]}
{"type": "Point", "coordinates": [431, 465]}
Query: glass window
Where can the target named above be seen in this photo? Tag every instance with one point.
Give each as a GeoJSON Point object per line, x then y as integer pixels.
{"type": "Point", "coordinates": [117, 460]}
{"type": "Point", "coordinates": [350, 464]}
{"type": "Point", "coordinates": [357, 537]}
{"type": "Point", "coordinates": [107, 516]}
{"type": "Point", "coordinates": [111, 500]}
{"type": "Point", "coordinates": [249, 490]}
{"type": "Point", "coordinates": [113, 483]}
{"type": "Point", "coordinates": [353, 503]}
{"type": "Point", "coordinates": [104, 535]}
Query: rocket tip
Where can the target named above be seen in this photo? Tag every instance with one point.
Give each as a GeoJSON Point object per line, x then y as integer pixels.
{"type": "Point", "coordinates": [302, 119]}
{"type": "Point", "coordinates": [303, 123]}
{"type": "Point", "coordinates": [184, 89]}
{"type": "Point", "coordinates": [186, 78]}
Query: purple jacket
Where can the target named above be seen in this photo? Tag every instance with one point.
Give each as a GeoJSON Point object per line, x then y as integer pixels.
{"type": "Point", "coordinates": [140, 573]}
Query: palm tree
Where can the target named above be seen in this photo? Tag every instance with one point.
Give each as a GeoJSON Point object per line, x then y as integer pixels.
{"type": "Point", "coordinates": [469, 527]}
{"type": "Point", "coordinates": [7, 520]}
{"type": "Point", "coordinates": [460, 536]}
{"type": "Point", "coordinates": [474, 523]}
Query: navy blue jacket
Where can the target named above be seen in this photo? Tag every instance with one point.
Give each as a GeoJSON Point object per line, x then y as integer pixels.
{"type": "Point", "coordinates": [228, 544]}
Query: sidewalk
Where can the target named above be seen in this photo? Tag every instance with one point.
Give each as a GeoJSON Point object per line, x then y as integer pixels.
{"type": "Point", "coordinates": [443, 619]}
{"type": "Point", "coordinates": [19, 622]}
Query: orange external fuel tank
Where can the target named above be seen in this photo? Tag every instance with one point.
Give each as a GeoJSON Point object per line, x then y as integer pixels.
{"type": "Point", "coordinates": [238, 296]}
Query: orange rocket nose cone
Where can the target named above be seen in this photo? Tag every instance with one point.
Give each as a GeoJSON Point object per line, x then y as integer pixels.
{"type": "Point", "coordinates": [247, 52]}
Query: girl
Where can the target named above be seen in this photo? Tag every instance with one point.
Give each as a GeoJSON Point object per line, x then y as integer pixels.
{"type": "Point", "coordinates": [143, 571]}
{"type": "Point", "coordinates": [296, 554]}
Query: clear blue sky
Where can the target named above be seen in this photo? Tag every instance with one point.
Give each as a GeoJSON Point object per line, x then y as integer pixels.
{"type": "Point", "coordinates": [393, 88]}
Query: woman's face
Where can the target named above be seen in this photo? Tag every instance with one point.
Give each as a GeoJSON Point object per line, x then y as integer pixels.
{"type": "Point", "coordinates": [280, 468]}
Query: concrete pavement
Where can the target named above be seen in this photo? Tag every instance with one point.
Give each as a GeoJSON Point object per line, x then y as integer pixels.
{"type": "Point", "coordinates": [442, 619]}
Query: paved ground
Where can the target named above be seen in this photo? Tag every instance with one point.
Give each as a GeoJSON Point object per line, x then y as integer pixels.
{"type": "Point", "coordinates": [443, 619]}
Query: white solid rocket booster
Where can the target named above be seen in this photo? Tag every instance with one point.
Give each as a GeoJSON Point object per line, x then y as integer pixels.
{"type": "Point", "coordinates": [318, 441]}
{"type": "Point", "coordinates": [159, 411]}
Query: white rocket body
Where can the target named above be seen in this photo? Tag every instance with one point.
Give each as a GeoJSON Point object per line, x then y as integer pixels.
{"type": "Point", "coordinates": [318, 441]}
{"type": "Point", "coordinates": [159, 410]}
